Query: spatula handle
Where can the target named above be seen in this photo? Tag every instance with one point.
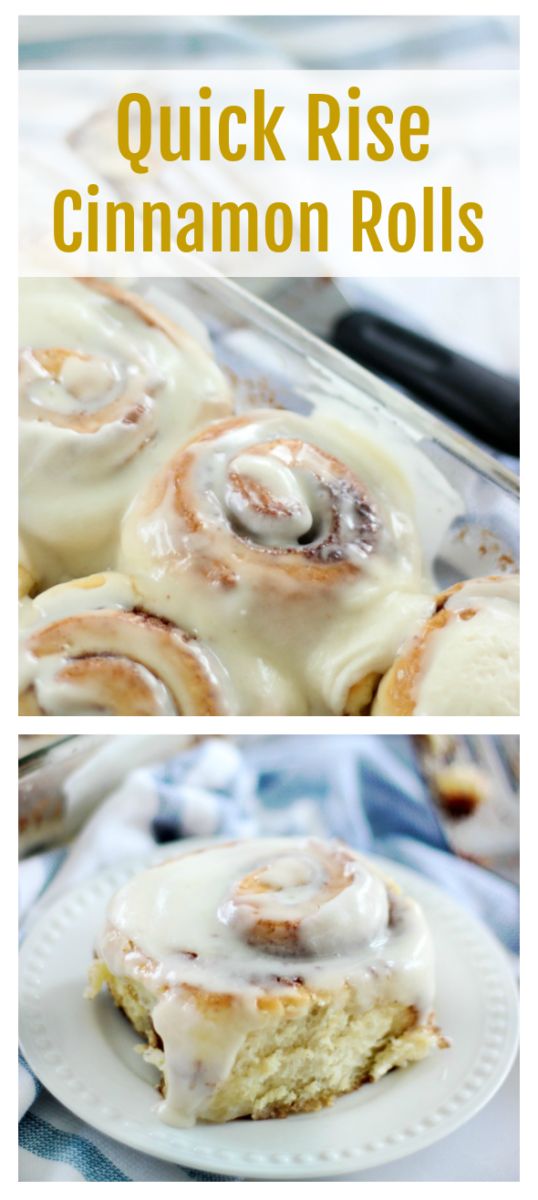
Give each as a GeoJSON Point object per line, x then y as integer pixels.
{"type": "Point", "coordinates": [483, 402]}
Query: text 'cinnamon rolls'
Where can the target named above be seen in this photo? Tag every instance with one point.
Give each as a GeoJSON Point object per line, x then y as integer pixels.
{"type": "Point", "coordinates": [268, 976]}
{"type": "Point", "coordinates": [108, 388]}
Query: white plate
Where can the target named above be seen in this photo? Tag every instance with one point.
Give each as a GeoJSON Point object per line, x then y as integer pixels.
{"type": "Point", "coordinates": [83, 1053]}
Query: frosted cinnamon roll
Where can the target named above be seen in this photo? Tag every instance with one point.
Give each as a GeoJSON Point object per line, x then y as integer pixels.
{"type": "Point", "coordinates": [265, 529]}
{"type": "Point", "coordinates": [90, 647]}
{"type": "Point", "coordinates": [268, 976]}
{"type": "Point", "coordinates": [108, 386]}
{"type": "Point", "coordinates": [464, 661]}
{"type": "Point", "coordinates": [350, 659]}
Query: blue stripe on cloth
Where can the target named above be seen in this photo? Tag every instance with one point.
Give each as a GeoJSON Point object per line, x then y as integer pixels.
{"type": "Point", "coordinates": [494, 900]}
{"type": "Point", "coordinates": [201, 1177]}
{"type": "Point", "coordinates": [36, 1082]}
{"type": "Point", "coordinates": [388, 808]}
{"type": "Point", "coordinates": [46, 1141]}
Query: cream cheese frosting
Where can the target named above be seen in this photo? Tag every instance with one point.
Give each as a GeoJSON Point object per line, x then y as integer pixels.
{"type": "Point", "coordinates": [253, 919]}
{"type": "Point", "coordinates": [88, 646]}
{"type": "Point", "coordinates": [265, 533]}
{"type": "Point", "coordinates": [108, 388]}
{"type": "Point", "coordinates": [471, 664]}
{"type": "Point", "coordinates": [293, 550]}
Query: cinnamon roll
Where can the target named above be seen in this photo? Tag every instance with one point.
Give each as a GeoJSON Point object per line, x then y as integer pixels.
{"type": "Point", "coordinates": [465, 658]}
{"type": "Point", "coordinates": [266, 530]}
{"type": "Point", "coordinates": [269, 976]}
{"type": "Point", "coordinates": [108, 386]}
{"type": "Point", "coordinates": [90, 647]}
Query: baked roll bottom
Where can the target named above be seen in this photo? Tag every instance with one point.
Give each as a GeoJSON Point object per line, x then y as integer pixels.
{"type": "Point", "coordinates": [307, 1050]}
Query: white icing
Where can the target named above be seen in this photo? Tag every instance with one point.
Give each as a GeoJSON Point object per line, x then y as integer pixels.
{"type": "Point", "coordinates": [188, 923]}
{"type": "Point", "coordinates": [353, 648]}
{"type": "Point", "coordinates": [92, 381]}
{"type": "Point", "coordinates": [82, 384]}
{"type": "Point", "coordinates": [264, 623]}
{"type": "Point", "coordinates": [75, 483]}
{"type": "Point", "coordinates": [301, 479]}
{"type": "Point", "coordinates": [331, 397]}
{"type": "Point", "coordinates": [472, 666]}
{"type": "Point", "coordinates": [264, 498]}
{"type": "Point", "coordinates": [111, 591]}
{"type": "Point", "coordinates": [58, 695]}
{"type": "Point", "coordinates": [73, 699]}
{"type": "Point", "coordinates": [482, 593]}
{"type": "Point", "coordinates": [295, 517]}
{"type": "Point", "coordinates": [357, 914]}
{"type": "Point", "coordinates": [199, 1054]}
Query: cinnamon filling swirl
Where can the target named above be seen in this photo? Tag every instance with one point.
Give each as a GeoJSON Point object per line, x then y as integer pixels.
{"type": "Point", "coordinates": [112, 659]}
{"type": "Point", "coordinates": [107, 386]}
{"type": "Point", "coordinates": [225, 940]}
{"type": "Point", "coordinates": [244, 496]}
{"type": "Point", "coordinates": [81, 392]}
{"type": "Point", "coordinates": [266, 533]}
{"type": "Point", "coordinates": [344, 914]}
{"type": "Point", "coordinates": [282, 906]}
{"type": "Point", "coordinates": [464, 658]}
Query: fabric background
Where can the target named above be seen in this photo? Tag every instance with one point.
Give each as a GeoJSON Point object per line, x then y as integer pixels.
{"type": "Point", "coordinates": [364, 789]}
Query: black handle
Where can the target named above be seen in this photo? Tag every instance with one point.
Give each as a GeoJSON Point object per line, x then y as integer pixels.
{"type": "Point", "coordinates": [483, 402]}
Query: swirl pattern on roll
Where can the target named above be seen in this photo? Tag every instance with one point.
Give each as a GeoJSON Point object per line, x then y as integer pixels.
{"type": "Point", "coordinates": [318, 900]}
{"type": "Point", "coordinates": [265, 529]}
{"type": "Point", "coordinates": [107, 386]}
{"type": "Point", "coordinates": [89, 647]}
{"type": "Point", "coordinates": [464, 658]}
{"type": "Point", "coordinates": [253, 493]}
{"type": "Point", "coordinates": [244, 939]}
{"type": "Point", "coordinates": [270, 912]}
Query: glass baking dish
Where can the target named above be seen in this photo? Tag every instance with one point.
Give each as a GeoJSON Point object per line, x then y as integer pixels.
{"type": "Point", "coordinates": [466, 504]}
{"type": "Point", "coordinates": [273, 361]}
{"type": "Point", "coordinates": [63, 778]}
